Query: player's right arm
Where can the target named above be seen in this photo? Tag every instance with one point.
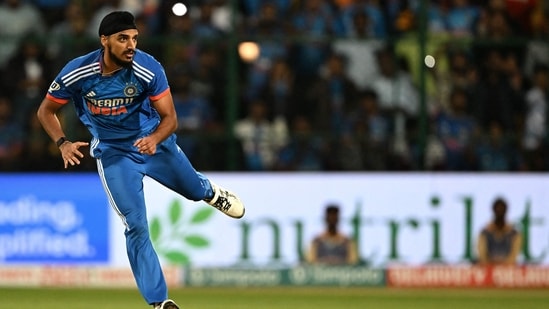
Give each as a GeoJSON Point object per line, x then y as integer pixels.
{"type": "Point", "coordinates": [482, 249]}
{"type": "Point", "coordinates": [311, 256]}
{"type": "Point", "coordinates": [516, 246]}
{"type": "Point", "coordinates": [47, 114]}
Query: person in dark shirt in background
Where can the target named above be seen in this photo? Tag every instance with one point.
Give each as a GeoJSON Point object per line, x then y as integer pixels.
{"type": "Point", "coordinates": [332, 247]}
{"type": "Point", "coordinates": [499, 242]}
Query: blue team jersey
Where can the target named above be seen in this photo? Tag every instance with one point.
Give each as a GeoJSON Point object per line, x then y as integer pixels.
{"type": "Point", "coordinates": [116, 107]}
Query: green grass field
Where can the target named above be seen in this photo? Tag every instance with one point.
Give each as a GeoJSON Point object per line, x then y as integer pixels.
{"type": "Point", "coordinates": [271, 298]}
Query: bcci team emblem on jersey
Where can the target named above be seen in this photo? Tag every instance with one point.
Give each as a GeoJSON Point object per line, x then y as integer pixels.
{"type": "Point", "coordinates": [130, 91]}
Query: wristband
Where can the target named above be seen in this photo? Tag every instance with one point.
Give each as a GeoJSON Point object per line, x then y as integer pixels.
{"type": "Point", "coordinates": [61, 140]}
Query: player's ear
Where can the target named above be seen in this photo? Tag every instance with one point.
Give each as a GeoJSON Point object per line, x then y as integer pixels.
{"type": "Point", "coordinates": [104, 40]}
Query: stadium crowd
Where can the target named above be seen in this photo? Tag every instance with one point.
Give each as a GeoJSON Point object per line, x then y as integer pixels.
{"type": "Point", "coordinates": [338, 85]}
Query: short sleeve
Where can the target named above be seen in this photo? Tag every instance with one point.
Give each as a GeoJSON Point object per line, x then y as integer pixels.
{"type": "Point", "coordinates": [150, 71]}
{"type": "Point", "coordinates": [58, 90]}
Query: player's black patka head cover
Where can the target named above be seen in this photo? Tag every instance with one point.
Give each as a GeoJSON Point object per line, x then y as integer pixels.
{"type": "Point", "coordinates": [115, 22]}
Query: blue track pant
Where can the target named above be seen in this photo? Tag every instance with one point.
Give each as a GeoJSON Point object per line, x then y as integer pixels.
{"type": "Point", "coordinates": [121, 169]}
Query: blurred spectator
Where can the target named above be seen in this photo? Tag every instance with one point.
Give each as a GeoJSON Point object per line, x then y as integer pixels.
{"type": "Point", "coordinates": [537, 52]}
{"type": "Point", "coordinates": [201, 63]}
{"type": "Point", "coordinates": [51, 10]}
{"type": "Point", "coordinates": [305, 151]}
{"type": "Point", "coordinates": [460, 73]}
{"type": "Point", "coordinates": [497, 26]}
{"type": "Point", "coordinates": [495, 151]}
{"type": "Point", "coordinates": [330, 97]}
{"type": "Point", "coordinates": [30, 74]}
{"type": "Point", "coordinates": [517, 83]}
{"type": "Point", "coordinates": [463, 72]}
{"type": "Point", "coordinates": [456, 130]}
{"type": "Point", "coordinates": [195, 118]}
{"type": "Point", "coordinates": [370, 132]}
{"type": "Point", "coordinates": [261, 139]}
{"type": "Point", "coordinates": [332, 247]}
{"type": "Point", "coordinates": [209, 78]}
{"type": "Point", "coordinates": [538, 21]}
{"type": "Point", "coordinates": [497, 97]}
{"type": "Point", "coordinates": [99, 9]}
{"type": "Point", "coordinates": [68, 37]}
{"type": "Point", "coordinates": [462, 18]}
{"type": "Point", "coordinates": [437, 16]}
{"type": "Point", "coordinates": [269, 31]}
{"type": "Point", "coordinates": [537, 48]}
{"type": "Point", "coordinates": [364, 18]}
{"type": "Point", "coordinates": [434, 153]}
{"type": "Point", "coordinates": [11, 137]}
{"type": "Point", "coordinates": [180, 49]}
{"type": "Point", "coordinates": [399, 100]}
{"type": "Point", "coordinates": [394, 86]}
{"type": "Point", "coordinates": [18, 19]}
{"type": "Point", "coordinates": [193, 97]}
{"type": "Point", "coordinates": [340, 5]}
{"type": "Point", "coordinates": [204, 28]}
{"type": "Point", "coordinates": [316, 19]}
{"type": "Point", "coordinates": [518, 12]}
{"type": "Point", "coordinates": [252, 7]}
{"type": "Point", "coordinates": [39, 153]}
{"type": "Point", "coordinates": [222, 16]}
{"type": "Point", "coordinates": [314, 22]}
{"type": "Point", "coordinates": [402, 16]}
{"type": "Point", "coordinates": [267, 23]}
{"type": "Point", "coordinates": [535, 139]}
{"type": "Point", "coordinates": [499, 243]}
{"type": "Point", "coordinates": [202, 70]}
{"type": "Point", "coordinates": [147, 40]}
{"type": "Point", "coordinates": [279, 91]}
{"type": "Point", "coordinates": [358, 46]}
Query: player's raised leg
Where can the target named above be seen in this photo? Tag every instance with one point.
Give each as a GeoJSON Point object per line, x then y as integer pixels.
{"type": "Point", "coordinates": [227, 202]}
{"type": "Point", "coordinates": [185, 180]}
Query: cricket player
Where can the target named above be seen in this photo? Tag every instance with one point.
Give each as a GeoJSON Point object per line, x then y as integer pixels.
{"type": "Point", "coordinates": [122, 96]}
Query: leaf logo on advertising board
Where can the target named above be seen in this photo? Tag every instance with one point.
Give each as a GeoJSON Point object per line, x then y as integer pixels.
{"type": "Point", "coordinates": [174, 237]}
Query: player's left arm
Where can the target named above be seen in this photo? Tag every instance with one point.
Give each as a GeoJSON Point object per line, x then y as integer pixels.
{"type": "Point", "coordinates": [352, 256]}
{"type": "Point", "coordinates": [516, 246]}
{"type": "Point", "coordinates": [168, 124]}
{"type": "Point", "coordinates": [311, 255]}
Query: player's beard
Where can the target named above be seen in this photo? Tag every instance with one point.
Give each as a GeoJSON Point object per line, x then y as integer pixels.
{"type": "Point", "coordinates": [119, 61]}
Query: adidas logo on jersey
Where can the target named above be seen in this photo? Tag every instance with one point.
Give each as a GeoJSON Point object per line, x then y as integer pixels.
{"type": "Point", "coordinates": [90, 94]}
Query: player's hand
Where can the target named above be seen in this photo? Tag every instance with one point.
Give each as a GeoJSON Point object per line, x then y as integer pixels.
{"type": "Point", "coordinates": [146, 145]}
{"type": "Point", "coordinates": [71, 153]}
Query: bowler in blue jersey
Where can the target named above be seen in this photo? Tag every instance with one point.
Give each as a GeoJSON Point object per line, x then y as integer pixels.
{"type": "Point", "coordinates": [121, 94]}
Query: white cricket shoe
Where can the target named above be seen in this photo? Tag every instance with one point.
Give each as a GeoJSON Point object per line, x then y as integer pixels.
{"type": "Point", "coordinates": [227, 202]}
{"type": "Point", "coordinates": [167, 304]}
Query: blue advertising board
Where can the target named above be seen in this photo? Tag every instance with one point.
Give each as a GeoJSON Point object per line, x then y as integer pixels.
{"type": "Point", "coordinates": [53, 219]}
